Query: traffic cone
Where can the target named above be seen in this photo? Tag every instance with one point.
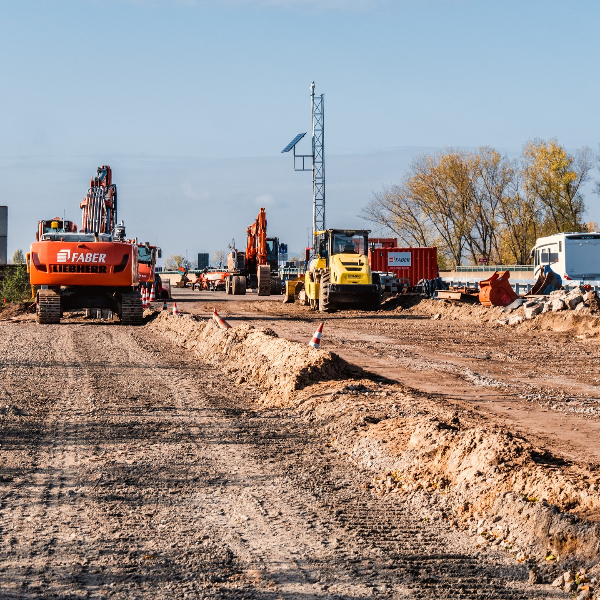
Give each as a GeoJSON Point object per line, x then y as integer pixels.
{"type": "Point", "coordinates": [145, 297]}
{"type": "Point", "coordinates": [220, 322]}
{"type": "Point", "coordinates": [152, 294]}
{"type": "Point", "coordinates": [175, 311]}
{"type": "Point", "coordinates": [316, 341]}
{"type": "Point", "coordinates": [165, 307]}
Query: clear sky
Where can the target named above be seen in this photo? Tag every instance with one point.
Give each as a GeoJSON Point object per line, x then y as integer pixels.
{"type": "Point", "coordinates": [191, 102]}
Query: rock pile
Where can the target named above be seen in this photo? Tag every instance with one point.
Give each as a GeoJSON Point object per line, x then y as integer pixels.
{"type": "Point", "coordinates": [577, 299]}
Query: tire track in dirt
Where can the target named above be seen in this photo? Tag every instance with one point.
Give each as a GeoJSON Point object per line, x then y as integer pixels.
{"type": "Point", "coordinates": [151, 476]}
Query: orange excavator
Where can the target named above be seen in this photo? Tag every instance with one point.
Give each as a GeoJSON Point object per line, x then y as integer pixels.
{"type": "Point", "coordinates": [95, 268]}
{"type": "Point", "coordinates": [147, 255]}
{"type": "Point", "coordinates": [258, 266]}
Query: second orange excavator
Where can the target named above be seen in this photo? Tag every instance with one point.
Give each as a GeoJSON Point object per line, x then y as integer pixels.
{"type": "Point", "coordinates": [257, 267]}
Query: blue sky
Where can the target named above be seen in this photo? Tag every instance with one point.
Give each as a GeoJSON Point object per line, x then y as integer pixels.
{"type": "Point", "coordinates": [191, 102]}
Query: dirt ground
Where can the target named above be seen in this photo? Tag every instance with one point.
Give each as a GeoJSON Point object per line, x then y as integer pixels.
{"type": "Point", "coordinates": [167, 461]}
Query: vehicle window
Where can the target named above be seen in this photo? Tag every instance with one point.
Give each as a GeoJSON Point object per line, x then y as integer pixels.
{"type": "Point", "coordinates": [271, 250]}
{"type": "Point", "coordinates": [144, 254]}
{"type": "Point", "coordinates": [545, 256]}
{"type": "Point", "coordinates": [323, 250]}
{"type": "Point", "coordinates": [348, 244]}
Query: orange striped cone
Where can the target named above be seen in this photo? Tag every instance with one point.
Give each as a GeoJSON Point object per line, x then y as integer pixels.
{"type": "Point", "coordinates": [143, 292]}
{"type": "Point", "coordinates": [175, 311]}
{"type": "Point", "coordinates": [152, 294]}
{"type": "Point", "coordinates": [316, 341]}
{"type": "Point", "coordinates": [165, 307]}
{"type": "Point", "coordinates": [221, 322]}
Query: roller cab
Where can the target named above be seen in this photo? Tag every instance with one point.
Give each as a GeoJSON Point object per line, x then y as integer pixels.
{"type": "Point", "coordinates": [339, 275]}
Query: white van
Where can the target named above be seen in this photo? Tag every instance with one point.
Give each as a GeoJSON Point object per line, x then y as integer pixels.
{"type": "Point", "coordinates": [573, 256]}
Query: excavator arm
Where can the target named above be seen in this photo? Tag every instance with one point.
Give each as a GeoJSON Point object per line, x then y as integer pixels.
{"type": "Point", "coordinates": [256, 246]}
{"type": "Point", "coordinates": [100, 204]}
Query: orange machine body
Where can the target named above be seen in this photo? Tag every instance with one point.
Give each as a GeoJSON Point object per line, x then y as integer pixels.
{"type": "Point", "coordinates": [57, 263]}
{"type": "Point", "coordinates": [147, 255]}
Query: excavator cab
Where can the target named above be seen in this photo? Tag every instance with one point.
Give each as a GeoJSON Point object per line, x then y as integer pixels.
{"type": "Point", "coordinates": [55, 226]}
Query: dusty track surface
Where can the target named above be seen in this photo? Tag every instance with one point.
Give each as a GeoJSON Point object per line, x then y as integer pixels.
{"type": "Point", "coordinates": [543, 384]}
{"type": "Point", "coordinates": [131, 469]}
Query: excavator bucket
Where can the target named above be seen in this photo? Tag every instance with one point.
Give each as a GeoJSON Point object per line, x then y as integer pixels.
{"type": "Point", "coordinates": [547, 282]}
{"type": "Point", "coordinates": [496, 290]}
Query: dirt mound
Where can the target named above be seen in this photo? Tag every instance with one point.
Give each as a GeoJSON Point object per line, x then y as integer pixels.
{"type": "Point", "coordinates": [258, 356]}
{"type": "Point", "coordinates": [12, 310]}
{"type": "Point", "coordinates": [445, 464]}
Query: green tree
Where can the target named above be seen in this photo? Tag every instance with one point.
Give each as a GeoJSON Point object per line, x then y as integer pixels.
{"type": "Point", "coordinates": [15, 286]}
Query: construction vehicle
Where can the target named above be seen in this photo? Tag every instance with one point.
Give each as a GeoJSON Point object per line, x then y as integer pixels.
{"type": "Point", "coordinates": [147, 255]}
{"type": "Point", "coordinates": [258, 266]}
{"type": "Point", "coordinates": [95, 268]}
{"type": "Point", "coordinates": [338, 274]}
{"type": "Point", "coordinates": [213, 280]}
{"type": "Point", "coordinates": [182, 283]}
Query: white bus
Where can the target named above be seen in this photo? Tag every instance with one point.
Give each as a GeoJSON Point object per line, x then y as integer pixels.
{"type": "Point", "coordinates": [573, 256]}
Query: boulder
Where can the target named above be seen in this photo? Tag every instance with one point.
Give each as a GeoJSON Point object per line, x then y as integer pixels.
{"type": "Point", "coordinates": [557, 304]}
{"type": "Point", "coordinates": [573, 298]}
{"type": "Point", "coordinates": [515, 320]}
{"type": "Point", "coordinates": [514, 305]}
{"type": "Point", "coordinates": [532, 311]}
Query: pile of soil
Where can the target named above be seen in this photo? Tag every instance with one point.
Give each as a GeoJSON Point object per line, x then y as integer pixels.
{"type": "Point", "coordinates": [258, 356]}
{"type": "Point", "coordinates": [444, 463]}
{"type": "Point", "coordinates": [452, 465]}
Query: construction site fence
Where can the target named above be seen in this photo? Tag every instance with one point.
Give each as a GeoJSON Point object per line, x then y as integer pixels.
{"type": "Point", "coordinates": [492, 268]}
{"type": "Point", "coordinates": [521, 287]}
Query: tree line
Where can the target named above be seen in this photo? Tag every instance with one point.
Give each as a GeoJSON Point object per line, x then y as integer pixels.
{"type": "Point", "coordinates": [479, 204]}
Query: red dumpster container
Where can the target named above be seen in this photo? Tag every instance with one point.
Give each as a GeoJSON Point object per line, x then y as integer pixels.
{"type": "Point", "coordinates": [413, 264]}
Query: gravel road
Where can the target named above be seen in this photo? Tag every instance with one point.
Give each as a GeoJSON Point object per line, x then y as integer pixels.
{"type": "Point", "coordinates": [131, 470]}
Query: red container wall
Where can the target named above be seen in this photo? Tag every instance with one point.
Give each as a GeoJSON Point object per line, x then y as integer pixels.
{"type": "Point", "coordinates": [423, 262]}
{"type": "Point", "coordinates": [383, 242]}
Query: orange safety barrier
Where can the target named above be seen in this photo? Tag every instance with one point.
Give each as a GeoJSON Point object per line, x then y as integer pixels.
{"type": "Point", "coordinates": [496, 290]}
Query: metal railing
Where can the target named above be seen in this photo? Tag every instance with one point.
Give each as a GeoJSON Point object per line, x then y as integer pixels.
{"type": "Point", "coordinates": [492, 268]}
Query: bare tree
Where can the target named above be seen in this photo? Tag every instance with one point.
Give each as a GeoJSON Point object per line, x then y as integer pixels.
{"type": "Point", "coordinates": [219, 259]}
{"type": "Point", "coordinates": [18, 258]}
{"type": "Point", "coordinates": [480, 205]}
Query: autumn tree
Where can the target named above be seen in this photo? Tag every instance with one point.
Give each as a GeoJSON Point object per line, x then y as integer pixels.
{"type": "Point", "coordinates": [480, 205]}
{"type": "Point", "coordinates": [552, 180]}
{"type": "Point", "coordinates": [173, 262]}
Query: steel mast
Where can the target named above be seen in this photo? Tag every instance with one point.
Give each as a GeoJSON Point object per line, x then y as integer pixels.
{"type": "Point", "coordinates": [318, 152]}
{"type": "Point", "coordinates": [317, 105]}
